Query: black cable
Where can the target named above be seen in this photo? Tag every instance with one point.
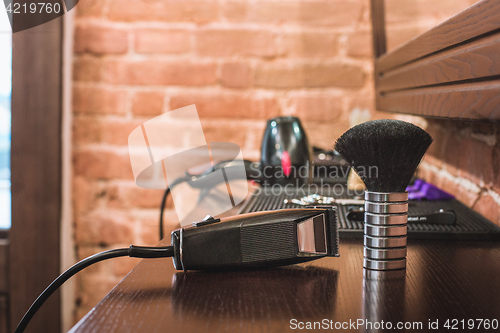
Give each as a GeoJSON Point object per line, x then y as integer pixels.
{"type": "Point", "coordinates": [194, 180]}
{"type": "Point", "coordinates": [164, 200]}
{"type": "Point", "coordinates": [132, 251]}
{"type": "Point", "coordinates": [162, 208]}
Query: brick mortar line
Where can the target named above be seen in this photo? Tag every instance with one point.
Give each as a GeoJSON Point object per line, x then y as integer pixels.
{"type": "Point", "coordinates": [463, 183]}
{"type": "Point", "coordinates": [494, 195]}
{"type": "Point", "coordinates": [195, 58]}
{"type": "Point", "coordinates": [253, 91]}
{"type": "Point", "coordinates": [250, 92]}
{"type": "Point", "coordinates": [249, 123]}
{"type": "Point", "coordinates": [107, 117]}
{"type": "Point", "coordinates": [277, 27]}
{"type": "Point", "coordinates": [109, 148]}
{"type": "Point", "coordinates": [101, 147]}
{"type": "Point", "coordinates": [489, 139]}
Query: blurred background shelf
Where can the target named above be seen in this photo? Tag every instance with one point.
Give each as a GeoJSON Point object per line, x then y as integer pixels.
{"type": "Point", "coordinates": [451, 71]}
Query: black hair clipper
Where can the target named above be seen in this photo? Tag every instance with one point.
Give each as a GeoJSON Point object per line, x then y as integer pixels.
{"type": "Point", "coordinates": [253, 240]}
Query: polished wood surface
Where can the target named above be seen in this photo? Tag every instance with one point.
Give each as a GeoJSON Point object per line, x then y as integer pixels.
{"type": "Point", "coordinates": [443, 280]}
{"type": "Point", "coordinates": [451, 71]}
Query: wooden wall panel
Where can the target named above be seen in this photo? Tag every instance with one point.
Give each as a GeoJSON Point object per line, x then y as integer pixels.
{"type": "Point", "coordinates": [4, 317]}
{"type": "Point", "coordinates": [36, 173]}
{"type": "Point", "coordinates": [473, 101]}
{"type": "Point", "coordinates": [475, 21]}
{"type": "Point", "coordinates": [451, 71]}
{"type": "Point", "coordinates": [4, 252]}
{"type": "Point", "coordinates": [475, 60]}
{"type": "Point", "coordinates": [4, 285]}
{"type": "Point", "coordinates": [378, 27]}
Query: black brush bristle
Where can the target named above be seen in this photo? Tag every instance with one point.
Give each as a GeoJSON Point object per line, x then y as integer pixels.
{"type": "Point", "coordinates": [385, 153]}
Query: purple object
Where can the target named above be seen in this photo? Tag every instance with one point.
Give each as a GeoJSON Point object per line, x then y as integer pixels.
{"type": "Point", "coordinates": [415, 187]}
{"type": "Point", "coordinates": [422, 190]}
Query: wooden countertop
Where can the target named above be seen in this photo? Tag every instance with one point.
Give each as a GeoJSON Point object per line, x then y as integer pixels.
{"type": "Point", "coordinates": [444, 280]}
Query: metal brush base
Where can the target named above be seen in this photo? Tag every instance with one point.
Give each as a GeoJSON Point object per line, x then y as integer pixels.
{"type": "Point", "coordinates": [386, 217]}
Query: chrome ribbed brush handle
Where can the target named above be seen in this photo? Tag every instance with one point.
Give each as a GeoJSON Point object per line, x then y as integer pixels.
{"type": "Point", "coordinates": [386, 217]}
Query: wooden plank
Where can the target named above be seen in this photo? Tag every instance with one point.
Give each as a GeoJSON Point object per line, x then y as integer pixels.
{"type": "Point", "coordinates": [36, 172]}
{"type": "Point", "coordinates": [478, 59]}
{"type": "Point", "coordinates": [155, 297]}
{"type": "Point", "coordinates": [378, 28]}
{"type": "Point", "coordinates": [4, 254]}
{"type": "Point", "coordinates": [479, 19]}
{"type": "Point", "coordinates": [4, 314]}
{"type": "Point", "coordinates": [471, 101]}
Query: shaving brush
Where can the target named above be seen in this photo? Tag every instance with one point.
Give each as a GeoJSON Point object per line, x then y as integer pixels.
{"type": "Point", "coordinates": [385, 154]}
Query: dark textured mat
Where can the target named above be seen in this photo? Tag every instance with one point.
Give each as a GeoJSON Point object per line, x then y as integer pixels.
{"type": "Point", "coordinates": [469, 225]}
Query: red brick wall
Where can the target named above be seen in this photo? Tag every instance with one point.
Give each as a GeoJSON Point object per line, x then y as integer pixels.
{"type": "Point", "coordinates": [465, 161]}
{"type": "Point", "coordinates": [241, 62]}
